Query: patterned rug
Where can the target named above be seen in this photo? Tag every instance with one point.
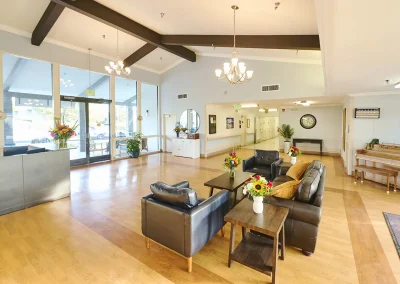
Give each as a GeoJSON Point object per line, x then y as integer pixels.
{"type": "Point", "coordinates": [393, 222]}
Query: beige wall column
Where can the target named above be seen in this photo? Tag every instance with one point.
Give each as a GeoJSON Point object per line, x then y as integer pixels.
{"type": "Point", "coordinates": [112, 117]}
{"type": "Point", "coordinates": [139, 106]}
{"type": "Point", "coordinates": [55, 69]}
{"type": "Point", "coordinates": [1, 105]}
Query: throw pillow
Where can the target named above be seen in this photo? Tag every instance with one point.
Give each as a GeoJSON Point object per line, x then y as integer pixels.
{"type": "Point", "coordinates": [297, 170]}
{"type": "Point", "coordinates": [287, 190]}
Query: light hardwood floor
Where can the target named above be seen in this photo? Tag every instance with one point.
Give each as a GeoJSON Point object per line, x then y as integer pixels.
{"type": "Point", "coordinates": [95, 236]}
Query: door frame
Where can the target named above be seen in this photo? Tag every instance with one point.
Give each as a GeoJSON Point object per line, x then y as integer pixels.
{"type": "Point", "coordinates": [164, 130]}
{"type": "Point", "coordinates": [89, 160]}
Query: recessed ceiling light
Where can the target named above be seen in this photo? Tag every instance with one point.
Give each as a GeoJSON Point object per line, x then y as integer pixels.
{"type": "Point", "coordinates": [272, 109]}
{"type": "Point", "coordinates": [303, 103]}
{"type": "Point", "coordinates": [249, 105]}
{"type": "Point", "coordinates": [261, 110]}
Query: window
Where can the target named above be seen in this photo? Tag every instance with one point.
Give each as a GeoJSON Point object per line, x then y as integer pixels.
{"type": "Point", "coordinates": [28, 100]}
{"type": "Point", "coordinates": [125, 107]}
{"type": "Point", "coordinates": [76, 82]}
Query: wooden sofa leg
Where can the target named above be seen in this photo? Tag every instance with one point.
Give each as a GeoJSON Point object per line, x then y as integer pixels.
{"type": "Point", "coordinates": [147, 240]}
{"type": "Point", "coordinates": [222, 232]}
{"type": "Point", "coordinates": [189, 262]}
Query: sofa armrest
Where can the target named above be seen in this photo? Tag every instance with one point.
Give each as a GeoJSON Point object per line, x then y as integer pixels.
{"type": "Point", "coordinates": [182, 184]}
{"type": "Point", "coordinates": [163, 223]}
{"type": "Point", "coordinates": [204, 221]}
{"type": "Point", "coordinates": [300, 211]}
{"type": "Point", "coordinates": [248, 163]}
{"type": "Point", "coordinates": [274, 166]}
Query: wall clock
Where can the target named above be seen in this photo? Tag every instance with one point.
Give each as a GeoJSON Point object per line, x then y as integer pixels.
{"type": "Point", "coordinates": [308, 121]}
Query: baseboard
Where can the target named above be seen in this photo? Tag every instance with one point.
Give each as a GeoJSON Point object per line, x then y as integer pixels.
{"type": "Point", "coordinates": [318, 153]}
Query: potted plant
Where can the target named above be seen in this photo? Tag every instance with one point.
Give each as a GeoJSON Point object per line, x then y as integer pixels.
{"type": "Point", "coordinates": [133, 145]}
{"type": "Point", "coordinates": [294, 152]}
{"type": "Point", "coordinates": [287, 133]}
{"type": "Point", "coordinates": [258, 187]}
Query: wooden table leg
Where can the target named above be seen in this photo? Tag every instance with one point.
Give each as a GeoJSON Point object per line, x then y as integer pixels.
{"type": "Point", "coordinates": [243, 232]}
{"type": "Point", "coordinates": [231, 244]}
{"type": "Point", "coordinates": [388, 184]}
{"type": "Point", "coordinates": [355, 176]}
{"type": "Point", "coordinates": [275, 258]}
{"type": "Point", "coordinates": [234, 199]}
{"type": "Point", "coordinates": [211, 191]}
{"type": "Point", "coordinates": [282, 239]}
{"type": "Point", "coordinates": [395, 183]}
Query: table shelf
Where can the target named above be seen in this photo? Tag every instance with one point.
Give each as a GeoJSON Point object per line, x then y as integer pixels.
{"type": "Point", "coordinates": [256, 252]}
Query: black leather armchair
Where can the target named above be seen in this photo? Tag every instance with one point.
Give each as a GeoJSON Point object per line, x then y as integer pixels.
{"type": "Point", "coordinates": [263, 163]}
{"type": "Point", "coordinates": [174, 217]}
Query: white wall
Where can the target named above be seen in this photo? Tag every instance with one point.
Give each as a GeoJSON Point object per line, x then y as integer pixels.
{"type": "Point", "coordinates": [20, 45]}
{"type": "Point", "coordinates": [328, 127]}
{"type": "Point", "coordinates": [199, 82]}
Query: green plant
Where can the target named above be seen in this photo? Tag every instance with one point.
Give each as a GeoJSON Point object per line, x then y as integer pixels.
{"type": "Point", "coordinates": [373, 142]}
{"type": "Point", "coordinates": [133, 144]}
{"type": "Point", "coordinates": [286, 132]}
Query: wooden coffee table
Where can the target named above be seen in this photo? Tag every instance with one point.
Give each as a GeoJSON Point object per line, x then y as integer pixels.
{"type": "Point", "coordinates": [225, 182]}
{"type": "Point", "coordinates": [256, 251]}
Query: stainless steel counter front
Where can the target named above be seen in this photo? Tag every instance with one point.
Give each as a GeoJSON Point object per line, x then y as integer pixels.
{"type": "Point", "coordinates": [28, 180]}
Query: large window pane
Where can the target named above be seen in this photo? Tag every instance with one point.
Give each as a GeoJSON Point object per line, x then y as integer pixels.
{"type": "Point", "coordinates": [125, 107]}
{"type": "Point", "coordinates": [149, 109]}
{"type": "Point", "coordinates": [75, 82]}
{"type": "Point", "coordinates": [28, 100]}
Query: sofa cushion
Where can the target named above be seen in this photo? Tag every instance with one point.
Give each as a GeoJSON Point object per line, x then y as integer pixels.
{"type": "Point", "coordinates": [37, 150]}
{"type": "Point", "coordinates": [315, 165]}
{"type": "Point", "coordinates": [185, 198]}
{"type": "Point", "coordinates": [265, 158]}
{"type": "Point", "coordinates": [297, 170]}
{"type": "Point", "coordinates": [281, 179]}
{"type": "Point", "coordinates": [308, 186]}
{"type": "Point", "coordinates": [287, 190]}
{"type": "Point", "coordinates": [15, 150]}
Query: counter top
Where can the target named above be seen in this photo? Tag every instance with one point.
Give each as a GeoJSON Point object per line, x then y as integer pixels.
{"type": "Point", "coordinates": [49, 146]}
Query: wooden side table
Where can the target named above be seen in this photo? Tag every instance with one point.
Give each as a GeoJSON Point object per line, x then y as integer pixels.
{"type": "Point", "coordinates": [257, 251]}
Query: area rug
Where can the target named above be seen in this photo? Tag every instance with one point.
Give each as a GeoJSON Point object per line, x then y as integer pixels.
{"type": "Point", "coordinates": [393, 222]}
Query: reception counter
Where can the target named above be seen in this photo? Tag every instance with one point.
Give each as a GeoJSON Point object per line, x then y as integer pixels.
{"type": "Point", "coordinates": [30, 179]}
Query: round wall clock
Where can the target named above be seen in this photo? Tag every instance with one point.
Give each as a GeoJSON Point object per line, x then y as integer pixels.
{"type": "Point", "coordinates": [308, 121]}
{"type": "Point", "coordinates": [3, 115]}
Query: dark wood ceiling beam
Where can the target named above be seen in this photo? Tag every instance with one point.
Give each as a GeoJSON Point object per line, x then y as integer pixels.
{"type": "Point", "coordinates": [139, 54]}
{"type": "Point", "coordinates": [46, 22]}
{"type": "Point", "coordinates": [110, 17]}
{"type": "Point", "coordinates": [298, 42]}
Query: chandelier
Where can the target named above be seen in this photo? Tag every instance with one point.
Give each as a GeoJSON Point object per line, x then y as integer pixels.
{"type": "Point", "coordinates": [117, 67]}
{"type": "Point", "coordinates": [234, 72]}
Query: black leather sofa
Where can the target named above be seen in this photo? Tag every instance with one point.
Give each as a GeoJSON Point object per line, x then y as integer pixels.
{"type": "Point", "coordinates": [301, 225]}
{"type": "Point", "coordinates": [263, 163]}
{"type": "Point", "coordinates": [20, 150]}
{"type": "Point", "coordinates": [174, 217]}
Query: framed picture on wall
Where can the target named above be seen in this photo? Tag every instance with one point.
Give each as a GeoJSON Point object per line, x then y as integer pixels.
{"type": "Point", "coordinates": [230, 123]}
{"type": "Point", "coordinates": [212, 124]}
{"type": "Point", "coordinates": [248, 123]}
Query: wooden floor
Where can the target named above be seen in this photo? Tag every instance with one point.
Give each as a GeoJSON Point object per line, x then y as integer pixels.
{"type": "Point", "coordinates": [95, 236]}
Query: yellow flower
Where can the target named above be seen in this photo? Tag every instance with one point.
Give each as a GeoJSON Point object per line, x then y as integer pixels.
{"type": "Point", "coordinates": [258, 186]}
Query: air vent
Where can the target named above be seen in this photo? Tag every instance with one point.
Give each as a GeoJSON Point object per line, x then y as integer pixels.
{"type": "Point", "coordinates": [183, 96]}
{"type": "Point", "coordinates": [270, 88]}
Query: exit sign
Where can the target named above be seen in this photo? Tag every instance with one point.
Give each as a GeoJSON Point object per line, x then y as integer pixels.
{"type": "Point", "coordinates": [90, 93]}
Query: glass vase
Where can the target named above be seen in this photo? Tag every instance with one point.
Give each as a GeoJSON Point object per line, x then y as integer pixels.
{"type": "Point", "coordinates": [62, 143]}
{"type": "Point", "coordinates": [258, 206]}
{"type": "Point", "coordinates": [232, 173]}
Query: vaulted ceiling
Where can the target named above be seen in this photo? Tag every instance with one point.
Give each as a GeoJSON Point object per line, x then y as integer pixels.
{"type": "Point", "coordinates": [180, 17]}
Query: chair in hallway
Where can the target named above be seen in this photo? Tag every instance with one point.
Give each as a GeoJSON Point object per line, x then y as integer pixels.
{"type": "Point", "coordinates": [263, 163]}
{"type": "Point", "coordinates": [145, 145]}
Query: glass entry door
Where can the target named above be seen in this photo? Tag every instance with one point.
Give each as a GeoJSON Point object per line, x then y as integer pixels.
{"type": "Point", "coordinates": [92, 143]}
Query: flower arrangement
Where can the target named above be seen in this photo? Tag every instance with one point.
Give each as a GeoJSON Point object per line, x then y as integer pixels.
{"type": "Point", "coordinates": [294, 152]}
{"type": "Point", "coordinates": [62, 132]}
{"type": "Point", "coordinates": [258, 186]}
{"type": "Point", "coordinates": [231, 163]}
{"type": "Point", "coordinates": [184, 129]}
{"type": "Point", "coordinates": [177, 130]}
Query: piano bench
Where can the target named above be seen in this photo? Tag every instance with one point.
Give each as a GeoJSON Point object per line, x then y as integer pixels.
{"type": "Point", "coordinates": [378, 171]}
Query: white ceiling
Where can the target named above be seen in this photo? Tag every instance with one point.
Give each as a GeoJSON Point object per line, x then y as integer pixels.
{"type": "Point", "coordinates": [360, 45]}
{"type": "Point", "coordinates": [181, 17]}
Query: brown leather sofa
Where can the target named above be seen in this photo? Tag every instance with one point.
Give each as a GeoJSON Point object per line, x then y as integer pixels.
{"type": "Point", "coordinates": [301, 225]}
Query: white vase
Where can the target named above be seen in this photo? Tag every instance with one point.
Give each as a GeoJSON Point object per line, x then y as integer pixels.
{"type": "Point", "coordinates": [258, 205]}
{"type": "Point", "coordinates": [286, 146]}
{"type": "Point", "coordinates": [293, 161]}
